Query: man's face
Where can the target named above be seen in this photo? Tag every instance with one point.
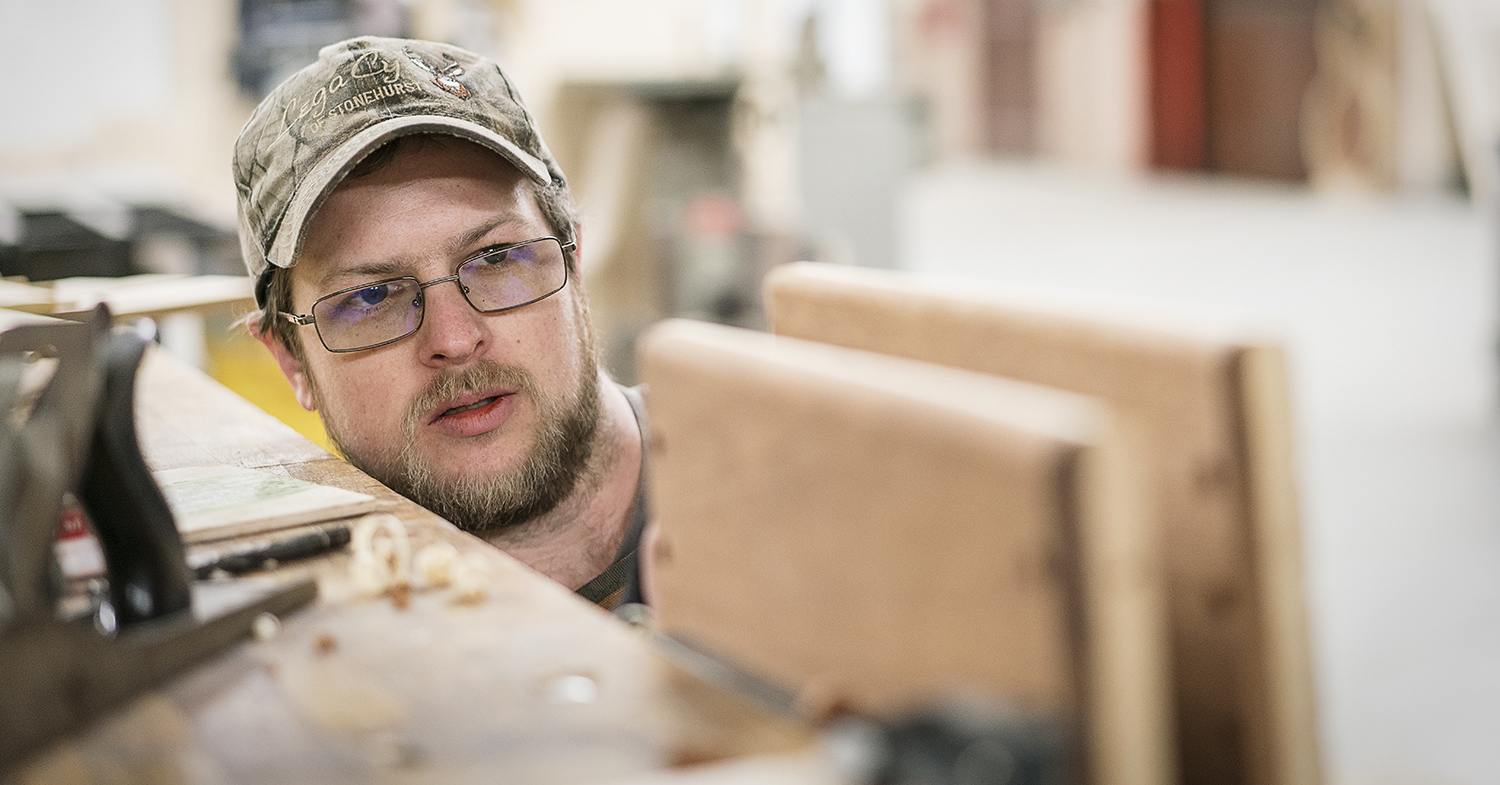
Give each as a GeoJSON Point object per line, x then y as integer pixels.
{"type": "Point", "coordinates": [487, 419]}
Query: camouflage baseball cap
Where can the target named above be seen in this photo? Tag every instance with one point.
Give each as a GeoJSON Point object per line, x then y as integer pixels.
{"type": "Point", "coordinates": [361, 93]}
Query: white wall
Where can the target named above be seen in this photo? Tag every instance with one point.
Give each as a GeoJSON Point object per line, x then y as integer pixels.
{"type": "Point", "coordinates": [131, 98]}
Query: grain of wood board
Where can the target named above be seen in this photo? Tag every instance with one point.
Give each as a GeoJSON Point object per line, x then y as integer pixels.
{"type": "Point", "coordinates": [1207, 405]}
{"type": "Point", "coordinates": [877, 532]}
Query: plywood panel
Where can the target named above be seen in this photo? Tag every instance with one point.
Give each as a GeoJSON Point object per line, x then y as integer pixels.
{"type": "Point", "coordinates": [1211, 410]}
{"type": "Point", "coordinates": [877, 531]}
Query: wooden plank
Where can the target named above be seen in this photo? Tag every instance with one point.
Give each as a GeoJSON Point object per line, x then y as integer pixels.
{"type": "Point", "coordinates": [152, 294]}
{"type": "Point", "coordinates": [26, 297]}
{"type": "Point", "coordinates": [15, 318]}
{"type": "Point", "coordinates": [875, 532]}
{"type": "Point", "coordinates": [211, 426]}
{"type": "Point", "coordinates": [1211, 409]}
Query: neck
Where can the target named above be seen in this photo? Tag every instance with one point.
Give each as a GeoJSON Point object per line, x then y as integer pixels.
{"type": "Point", "coordinates": [578, 539]}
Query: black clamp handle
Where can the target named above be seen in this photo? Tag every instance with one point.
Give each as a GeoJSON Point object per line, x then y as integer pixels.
{"type": "Point", "coordinates": [79, 435]}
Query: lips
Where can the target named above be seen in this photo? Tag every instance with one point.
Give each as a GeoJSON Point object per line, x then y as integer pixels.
{"type": "Point", "coordinates": [473, 413]}
{"type": "Point", "coordinates": [471, 407]}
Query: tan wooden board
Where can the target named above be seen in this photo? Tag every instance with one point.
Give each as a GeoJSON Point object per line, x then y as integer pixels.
{"type": "Point", "coordinates": [25, 297]}
{"type": "Point", "coordinates": [1210, 408]}
{"type": "Point", "coordinates": [13, 318]}
{"type": "Point", "coordinates": [356, 689]}
{"type": "Point", "coordinates": [878, 532]}
{"type": "Point", "coordinates": [152, 294]}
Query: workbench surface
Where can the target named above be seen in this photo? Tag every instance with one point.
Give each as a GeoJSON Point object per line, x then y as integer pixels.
{"type": "Point", "coordinates": [532, 684]}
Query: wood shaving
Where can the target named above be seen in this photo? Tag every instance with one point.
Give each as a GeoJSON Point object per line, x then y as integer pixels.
{"type": "Point", "coordinates": [401, 596]}
{"type": "Point", "coordinates": [382, 554]}
{"type": "Point", "coordinates": [265, 627]}
{"type": "Point", "coordinates": [435, 564]}
{"type": "Point", "coordinates": [325, 644]}
{"type": "Point", "coordinates": [471, 579]}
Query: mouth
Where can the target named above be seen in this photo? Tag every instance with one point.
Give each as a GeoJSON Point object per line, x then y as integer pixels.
{"type": "Point", "coordinates": [471, 407]}
{"type": "Point", "coordinates": [467, 406]}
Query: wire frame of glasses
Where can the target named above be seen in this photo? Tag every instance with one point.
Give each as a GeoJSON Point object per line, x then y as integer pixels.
{"type": "Point", "coordinates": [500, 278]}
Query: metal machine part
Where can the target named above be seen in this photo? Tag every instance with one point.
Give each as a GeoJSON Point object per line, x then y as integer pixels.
{"type": "Point", "coordinates": [956, 743]}
{"type": "Point", "coordinates": [76, 434]}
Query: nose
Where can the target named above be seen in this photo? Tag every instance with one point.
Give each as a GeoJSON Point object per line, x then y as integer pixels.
{"type": "Point", "coordinates": [452, 331]}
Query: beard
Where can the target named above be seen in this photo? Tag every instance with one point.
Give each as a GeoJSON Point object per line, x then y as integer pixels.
{"type": "Point", "coordinates": [548, 473]}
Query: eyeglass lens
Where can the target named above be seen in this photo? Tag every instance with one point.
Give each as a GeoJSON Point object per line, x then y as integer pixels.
{"type": "Point", "coordinates": [383, 312]}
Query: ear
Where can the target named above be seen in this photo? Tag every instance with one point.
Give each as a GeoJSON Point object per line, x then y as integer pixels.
{"type": "Point", "coordinates": [291, 368]}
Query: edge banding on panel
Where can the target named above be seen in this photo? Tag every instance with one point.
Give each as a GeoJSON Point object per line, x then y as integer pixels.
{"type": "Point", "coordinates": [1268, 446]}
{"type": "Point", "coordinates": [1116, 600]}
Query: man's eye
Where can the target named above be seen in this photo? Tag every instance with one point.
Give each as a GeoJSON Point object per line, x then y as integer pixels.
{"type": "Point", "coordinates": [496, 258]}
{"type": "Point", "coordinates": [370, 296]}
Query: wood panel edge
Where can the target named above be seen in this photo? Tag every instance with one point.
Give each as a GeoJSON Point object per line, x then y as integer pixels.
{"type": "Point", "coordinates": [1128, 683]}
{"type": "Point", "coordinates": [1275, 530]}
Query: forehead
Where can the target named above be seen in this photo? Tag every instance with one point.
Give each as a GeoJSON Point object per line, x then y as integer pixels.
{"type": "Point", "coordinates": [429, 204]}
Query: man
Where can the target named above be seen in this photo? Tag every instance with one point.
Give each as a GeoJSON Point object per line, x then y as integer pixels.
{"type": "Point", "coordinates": [417, 270]}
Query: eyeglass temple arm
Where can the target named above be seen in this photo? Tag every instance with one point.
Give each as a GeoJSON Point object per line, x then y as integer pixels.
{"type": "Point", "coordinates": [301, 320]}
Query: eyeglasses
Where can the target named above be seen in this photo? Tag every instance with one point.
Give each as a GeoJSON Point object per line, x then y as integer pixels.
{"type": "Point", "coordinates": [500, 278]}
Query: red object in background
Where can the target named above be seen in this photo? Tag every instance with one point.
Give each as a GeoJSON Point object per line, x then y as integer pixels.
{"type": "Point", "coordinates": [72, 523]}
{"type": "Point", "coordinates": [77, 550]}
{"type": "Point", "coordinates": [1178, 112]}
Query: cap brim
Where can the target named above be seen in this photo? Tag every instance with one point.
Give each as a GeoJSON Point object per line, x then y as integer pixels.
{"type": "Point", "coordinates": [329, 172]}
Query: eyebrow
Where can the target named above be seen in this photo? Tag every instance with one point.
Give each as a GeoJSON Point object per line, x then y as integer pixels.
{"type": "Point", "coordinates": [396, 268]}
{"type": "Point", "coordinates": [469, 239]}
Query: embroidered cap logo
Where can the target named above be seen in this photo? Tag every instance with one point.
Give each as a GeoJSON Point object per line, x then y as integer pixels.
{"type": "Point", "coordinates": [447, 78]}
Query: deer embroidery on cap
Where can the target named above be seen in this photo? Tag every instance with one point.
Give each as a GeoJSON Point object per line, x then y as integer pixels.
{"type": "Point", "coordinates": [447, 78]}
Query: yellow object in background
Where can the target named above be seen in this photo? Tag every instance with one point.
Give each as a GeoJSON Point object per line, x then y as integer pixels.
{"type": "Point", "coordinates": [240, 363]}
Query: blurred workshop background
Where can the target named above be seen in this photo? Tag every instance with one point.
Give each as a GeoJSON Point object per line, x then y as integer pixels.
{"type": "Point", "coordinates": [1325, 168]}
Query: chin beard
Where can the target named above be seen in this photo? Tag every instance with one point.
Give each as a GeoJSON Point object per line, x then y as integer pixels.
{"type": "Point", "coordinates": [489, 505]}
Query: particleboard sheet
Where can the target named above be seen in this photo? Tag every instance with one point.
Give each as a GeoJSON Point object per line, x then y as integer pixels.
{"type": "Point", "coordinates": [878, 532]}
{"type": "Point", "coordinates": [1210, 409]}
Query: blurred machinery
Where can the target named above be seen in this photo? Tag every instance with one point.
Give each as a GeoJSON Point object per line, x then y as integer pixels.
{"type": "Point", "coordinates": [658, 170]}
{"type": "Point", "coordinates": [51, 239]}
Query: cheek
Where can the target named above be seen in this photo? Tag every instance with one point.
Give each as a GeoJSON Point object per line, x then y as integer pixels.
{"type": "Point", "coordinates": [363, 401]}
{"type": "Point", "coordinates": [550, 344]}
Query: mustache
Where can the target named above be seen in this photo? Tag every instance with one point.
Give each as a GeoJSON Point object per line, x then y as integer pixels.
{"type": "Point", "coordinates": [486, 374]}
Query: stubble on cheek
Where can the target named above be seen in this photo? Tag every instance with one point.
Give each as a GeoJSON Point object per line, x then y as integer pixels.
{"type": "Point", "coordinates": [545, 467]}
{"type": "Point", "coordinates": [387, 456]}
{"type": "Point", "coordinates": [485, 375]}
{"type": "Point", "coordinates": [554, 459]}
